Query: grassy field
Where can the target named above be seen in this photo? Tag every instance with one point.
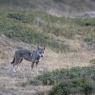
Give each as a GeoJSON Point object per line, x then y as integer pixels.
{"type": "Point", "coordinates": [39, 27]}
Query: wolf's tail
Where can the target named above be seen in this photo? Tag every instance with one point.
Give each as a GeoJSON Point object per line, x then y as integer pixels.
{"type": "Point", "coordinates": [13, 61]}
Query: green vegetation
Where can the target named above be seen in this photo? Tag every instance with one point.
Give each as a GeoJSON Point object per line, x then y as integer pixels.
{"type": "Point", "coordinates": [20, 22]}
{"type": "Point", "coordinates": [80, 80]}
{"type": "Point", "coordinates": [26, 27]}
{"type": "Point", "coordinates": [57, 76]}
{"type": "Point", "coordinates": [74, 86]}
{"type": "Point", "coordinates": [66, 81]}
{"type": "Point", "coordinates": [38, 27]}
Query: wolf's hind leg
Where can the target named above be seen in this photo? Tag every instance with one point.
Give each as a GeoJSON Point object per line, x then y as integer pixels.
{"type": "Point", "coordinates": [16, 62]}
{"type": "Point", "coordinates": [13, 60]}
{"type": "Point", "coordinates": [20, 60]}
{"type": "Point", "coordinates": [19, 63]}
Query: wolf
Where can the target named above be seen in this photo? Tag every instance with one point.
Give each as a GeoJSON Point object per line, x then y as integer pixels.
{"type": "Point", "coordinates": [32, 56]}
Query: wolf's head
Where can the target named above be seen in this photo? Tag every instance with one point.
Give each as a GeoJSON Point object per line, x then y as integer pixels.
{"type": "Point", "coordinates": [40, 51]}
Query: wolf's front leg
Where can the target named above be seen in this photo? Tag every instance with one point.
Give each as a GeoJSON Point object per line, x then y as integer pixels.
{"type": "Point", "coordinates": [14, 69]}
{"type": "Point", "coordinates": [37, 63]}
{"type": "Point", "coordinates": [32, 65]}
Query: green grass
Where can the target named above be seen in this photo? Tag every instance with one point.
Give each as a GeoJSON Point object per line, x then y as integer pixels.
{"type": "Point", "coordinates": [76, 86]}
{"type": "Point", "coordinates": [21, 26]}
{"type": "Point", "coordinates": [57, 76]}
{"type": "Point", "coordinates": [39, 27]}
{"type": "Point", "coordinates": [67, 81]}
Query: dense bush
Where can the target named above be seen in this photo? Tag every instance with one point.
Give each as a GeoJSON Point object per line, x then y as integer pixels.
{"type": "Point", "coordinates": [70, 81]}
{"type": "Point", "coordinates": [75, 86]}
{"type": "Point", "coordinates": [67, 81]}
{"type": "Point", "coordinates": [66, 74]}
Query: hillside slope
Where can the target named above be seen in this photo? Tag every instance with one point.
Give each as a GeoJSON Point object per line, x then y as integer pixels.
{"type": "Point", "coordinates": [70, 42]}
{"type": "Point", "coordinates": [22, 82]}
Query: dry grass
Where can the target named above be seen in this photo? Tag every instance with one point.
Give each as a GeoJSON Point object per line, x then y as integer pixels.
{"type": "Point", "coordinates": [16, 83]}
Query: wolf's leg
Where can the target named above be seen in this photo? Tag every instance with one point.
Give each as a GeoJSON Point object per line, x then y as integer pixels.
{"type": "Point", "coordinates": [37, 63]}
{"type": "Point", "coordinates": [13, 60]}
{"type": "Point", "coordinates": [37, 72]}
{"type": "Point", "coordinates": [32, 65]}
{"type": "Point", "coordinates": [36, 67]}
{"type": "Point", "coordinates": [14, 68]}
{"type": "Point", "coordinates": [20, 60]}
{"type": "Point", "coordinates": [13, 63]}
{"type": "Point", "coordinates": [16, 62]}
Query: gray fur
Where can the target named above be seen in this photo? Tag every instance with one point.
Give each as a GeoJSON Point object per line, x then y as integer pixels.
{"type": "Point", "coordinates": [32, 56]}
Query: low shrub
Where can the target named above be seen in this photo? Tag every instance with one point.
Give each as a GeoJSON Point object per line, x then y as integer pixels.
{"type": "Point", "coordinates": [66, 74]}
{"type": "Point", "coordinates": [81, 85]}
